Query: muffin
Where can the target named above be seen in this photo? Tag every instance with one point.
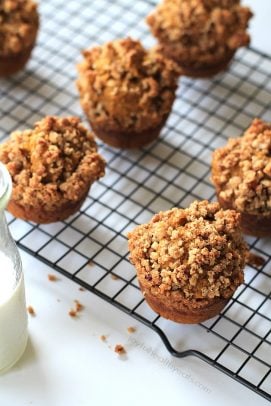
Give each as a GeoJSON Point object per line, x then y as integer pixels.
{"type": "Point", "coordinates": [241, 173]}
{"type": "Point", "coordinates": [19, 23]}
{"type": "Point", "coordinates": [189, 262]}
{"type": "Point", "coordinates": [126, 92]}
{"type": "Point", "coordinates": [202, 36]}
{"type": "Point", "coordinates": [52, 168]}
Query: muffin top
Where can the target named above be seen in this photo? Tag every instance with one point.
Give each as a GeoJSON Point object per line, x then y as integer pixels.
{"type": "Point", "coordinates": [197, 252]}
{"type": "Point", "coordinates": [242, 170]}
{"type": "Point", "coordinates": [198, 27]}
{"type": "Point", "coordinates": [18, 25]}
{"type": "Point", "coordinates": [122, 85]}
{"type": "Point", "coordinates": [52, 163]}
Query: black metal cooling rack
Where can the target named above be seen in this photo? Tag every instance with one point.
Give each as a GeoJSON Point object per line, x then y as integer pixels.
{"type": "Point", "coordinates": [91, 246]}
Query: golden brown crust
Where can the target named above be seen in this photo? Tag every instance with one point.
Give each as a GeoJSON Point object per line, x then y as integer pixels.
{"type": "Point", "coordinates": [241, 173]}
{"type": "Point", "coordinates": [189, 259]}
{"type": "Point", "coordinates": [52, 168]}
{"type": "Point", "coordinates": [124, 88]}
{"type": "Point", "coordinates": [200, 35]}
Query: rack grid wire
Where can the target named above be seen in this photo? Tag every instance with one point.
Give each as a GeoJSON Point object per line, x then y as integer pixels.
{"type": "Point", "coordinates": [91, 246]}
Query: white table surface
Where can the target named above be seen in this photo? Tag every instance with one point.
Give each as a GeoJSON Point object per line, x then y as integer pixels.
{"type": "Point", "coordinates": [67, 364]}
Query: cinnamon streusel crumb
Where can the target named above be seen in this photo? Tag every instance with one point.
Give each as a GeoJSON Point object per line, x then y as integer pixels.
{"type": "Point", "coordinates": [242, 170]}
{"type": "Point", "coordinates": [198, 252]}
{"type": "Point", "coordinates": [18, 25]}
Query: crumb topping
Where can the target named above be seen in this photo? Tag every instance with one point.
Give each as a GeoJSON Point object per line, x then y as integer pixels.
{"type": "Point", "coordinates": [18, 25]}
{"type": "Point", "coordinates": [198, 252]}
{"type": "Point", "coordinates": [125, 86]}
{"type": "Point", "coordinates": [201, 30]}
{"type": "Point", "coordinates": [242, 170]}
{"type": "Point", "coordinates": [52, 164]}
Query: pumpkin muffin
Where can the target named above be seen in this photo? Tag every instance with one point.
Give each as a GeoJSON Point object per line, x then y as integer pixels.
{"type": "Point", "coordinates": [202, 36]}
{"type": "Point", "coordinates": [241, 173]}
{"type": "Point", "coordinates": [19, 23]}
{"type": "Point", "coordinates": [126, 92]}
{"type": "Point", "coordinates": [190, 261]}
{"type": "Point", "coordinates": [52, 168]}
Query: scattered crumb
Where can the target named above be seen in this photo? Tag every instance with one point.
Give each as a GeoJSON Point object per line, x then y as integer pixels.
{"type": "Point", "coordinates": [82, 289]}
{"type": "Point", "coordinates": [52, 277]}
{"type": "Point", "coordinates": [78, 306]}
{"type": "Point", "coordinates": [90, 263]}
{"type": "Point", "coordinates": [254, 260]}
{"type": "Point", "coordinates": [115, 277]}
{"type": "Point", "coordinates": [119, 349]}
{"type": "Point", "coordinates": [131, 329]}
{"type": "Point", "coordinates": [103, 337]}
{"type": "Point", "coordinates": [31, 311]}
{"type": "Point", "coordinates": [73, 313]}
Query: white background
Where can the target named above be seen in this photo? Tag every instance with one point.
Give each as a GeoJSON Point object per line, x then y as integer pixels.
{"type": "Point", "coordinates": [67, 364]}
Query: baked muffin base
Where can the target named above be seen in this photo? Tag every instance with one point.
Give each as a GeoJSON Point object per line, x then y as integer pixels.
{"type": "Point", "coordinates": [9, 65]}
{"type": "Point", "coordinates": [127, 139]}
{"type": "Point", "coordinates": [251, 224]}
{"type": "Point", "coordinates": [182, 313]}
{"type": "Point", "coordinates": [40, 216]}
{"type": "Point", "coordinates": [197, 70]}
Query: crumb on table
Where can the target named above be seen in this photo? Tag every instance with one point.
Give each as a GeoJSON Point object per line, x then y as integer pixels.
{"type": "Point", "coordinates": [31, 310]}
{"type": "Point", "coordinates": [78, 308]}
{"type": "Point", "coordinates": [52, 277]}
{"type": "Point", "coordinates": [73, 313]}
{"type": "Point", "coordinates": [131, 330]}
{"type": "Point", "coordinates": [119, 349]}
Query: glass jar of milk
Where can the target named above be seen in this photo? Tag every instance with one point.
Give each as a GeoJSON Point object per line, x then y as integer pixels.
{"type": "Point", "coordinates": [13, 314]}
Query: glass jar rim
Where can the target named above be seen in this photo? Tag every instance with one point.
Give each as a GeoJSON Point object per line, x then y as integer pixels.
{"type": "Point", "coordinates": [5, 186]}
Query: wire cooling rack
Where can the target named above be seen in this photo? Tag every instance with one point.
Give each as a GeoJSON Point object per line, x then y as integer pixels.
{"type": "Point", "coordinates": [91, 246]}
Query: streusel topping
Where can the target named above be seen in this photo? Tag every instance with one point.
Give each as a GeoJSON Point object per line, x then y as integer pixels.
{"type": "Point", "coordinates": [123, 84]}
{"type": "Point", "coordinates": [201, 29]}
{"type": "Point", "coordinates": [18, 25]}
{"type": "Point", "coordinates": [198, 251]}
{"type": "Point", "coordinates": [242, 170]}
{"type": "Point", "coordinates": [52, 163]}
